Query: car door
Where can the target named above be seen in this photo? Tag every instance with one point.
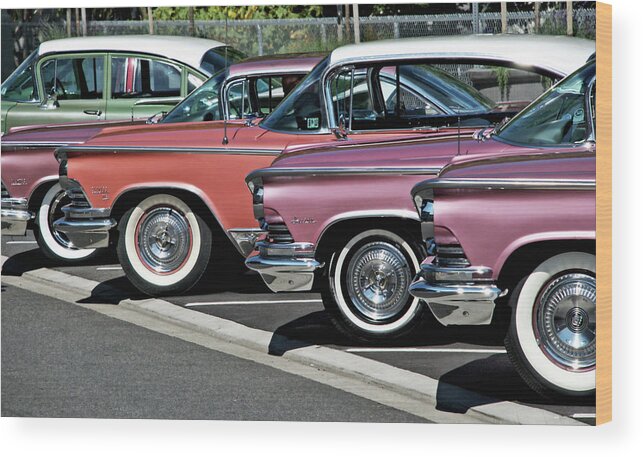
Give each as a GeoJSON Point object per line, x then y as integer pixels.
{"type": "Point", "coordinates": [141, 86]}
{"type": "Point", "coordinates": [72, 88]}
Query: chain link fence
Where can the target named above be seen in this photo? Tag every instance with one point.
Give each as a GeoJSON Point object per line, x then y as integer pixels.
{"type": "Point", "coordinates": [276, 36]}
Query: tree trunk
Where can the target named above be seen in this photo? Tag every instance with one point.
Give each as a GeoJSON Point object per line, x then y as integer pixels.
{"type": "Point", "coordinates": [356, 22]}
{"type": "Point", "coordinates": [570, 18]}
{"type": "Point", "coordinates": [150, 19]}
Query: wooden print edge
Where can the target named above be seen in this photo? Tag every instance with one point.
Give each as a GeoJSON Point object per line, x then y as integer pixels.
{"type": "Point", "coordinates": [604, 212]}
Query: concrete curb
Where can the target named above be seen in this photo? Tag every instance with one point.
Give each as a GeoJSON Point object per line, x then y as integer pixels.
{"type": "Point", "coordinates": [442, 396]}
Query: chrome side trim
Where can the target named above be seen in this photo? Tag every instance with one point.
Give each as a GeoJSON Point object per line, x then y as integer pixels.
{"type": "Point", "coordinates": [340, 171]}
{"type": "Point", "coordinates": [244, 239]}
{"type": "Point", "coordinates": [35, 144]}
{"type": "Point", "coordinates": [464, 275]}
{"type": "Point", "coordinates": [424, 188]}
{"type": "Point", "coordinates": [61, 152]}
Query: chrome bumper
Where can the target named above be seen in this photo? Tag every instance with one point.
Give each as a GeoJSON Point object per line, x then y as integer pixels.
{"type": "Point", "coordinates": [15, 216]}
{"type": "Point", "coordinates": [287, 267]}
{"type": "Point", "coordinates": [245, 238]}
{"type": "Point", "coordinates": [86, 228]}
{"type": "Point", "coordinates": [457, 296]}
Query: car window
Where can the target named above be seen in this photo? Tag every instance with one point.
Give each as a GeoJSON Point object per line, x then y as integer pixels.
{"type": "Point", "coordinates": [194, 82]}
{"type": "Point", "coordinates": [77, 78]}
{"type": "Point", "coordinates": [239, 100]}
{"type": "Point", "coordinates": [214, 60]}
{"type": "Point", "coordinates": [558, 117]}
{"type": "Point", "coordinates": [134, 77]}
{"type": "Point", "coordinates": [21, 85]}
{"type": "Point", "coordinates": [200, 105]}
{"type": "Point", "coordinates": [300, 110]}
{"type": "Point", "coordinates": [271, 90]}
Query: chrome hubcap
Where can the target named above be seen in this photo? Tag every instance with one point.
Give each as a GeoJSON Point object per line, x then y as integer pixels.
{"type": "Point", "coordinates": [163, 239]}
{"type": "Point", "coordinates": [566, 321]}
{"type": "Point", "coordinates": [55, 213]}
{"type": "Point", "coordinates": [378, 277]}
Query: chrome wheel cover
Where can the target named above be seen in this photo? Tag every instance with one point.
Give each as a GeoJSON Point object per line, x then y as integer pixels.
{"type": "Point", "coordinates": [163, 239]}
{"type": "Point", "coordinates": [55, 213]}
{"type": "Point", "coordinates": [565, 321]}
{"type": "Point", "coordinates": [377, 280]}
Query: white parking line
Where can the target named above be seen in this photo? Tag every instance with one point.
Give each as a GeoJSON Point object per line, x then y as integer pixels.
{"type": "Point", "coordinates": [109, 268]}
{"type": "Point", "coordinates": [248, 302]}
{"type": "Point", "coordinates": [438, 350]}
{"type": "Point", "coordinates": [22, 242]}
{"type": "Point", "coordinates": [584, 416]}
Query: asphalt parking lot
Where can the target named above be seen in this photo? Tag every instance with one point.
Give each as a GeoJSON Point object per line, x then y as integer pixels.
{"type": "Point", "coordinates": [472, 358]}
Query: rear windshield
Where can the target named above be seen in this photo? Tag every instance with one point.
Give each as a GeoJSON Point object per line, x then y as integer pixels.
{"type": "Point", "coordinates": [215, 59]}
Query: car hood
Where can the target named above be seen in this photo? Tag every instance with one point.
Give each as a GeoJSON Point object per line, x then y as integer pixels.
{"type": "Point", "coordinates": [406, 151]}
{"type": "Point", "coordinates": [61, 134]}
{"type": "Point", "coordinates": [180, 135]}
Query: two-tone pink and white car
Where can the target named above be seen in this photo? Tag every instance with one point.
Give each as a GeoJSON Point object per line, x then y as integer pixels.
{"type": "Point", "coordinates": [519, 230]}
{"type": "Point", "coordinates": [339, 218]}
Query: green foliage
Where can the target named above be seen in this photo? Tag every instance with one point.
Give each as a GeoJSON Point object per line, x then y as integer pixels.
{"type": "Point", "coordinates": [239, 12]}
{"type": "Point", "coordinates": [502, 76]}
{"type": "Point", "coordinates": [52, 31]}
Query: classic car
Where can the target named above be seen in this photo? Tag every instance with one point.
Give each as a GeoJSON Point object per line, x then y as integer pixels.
{"type": "Point", "coordinates": [105, 78]}
{"type": "Point", "coordinates": [338, 220]}
{"type": "Point", "coordinates": [30, 170]}
{"type": "Point", "coordinates": [521, 225]}
{"type": "Point", "coordinates": [168, 188]}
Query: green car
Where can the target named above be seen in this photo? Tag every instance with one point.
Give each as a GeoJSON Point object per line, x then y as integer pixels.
{"type": "Point", "coordinates": [108, 78]}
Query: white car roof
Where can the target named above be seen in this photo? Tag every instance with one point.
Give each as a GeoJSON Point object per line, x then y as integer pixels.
{"type": "Point", "coordinates": [561, 54]}
{"type": "Point", "coordinates": [187, 50]}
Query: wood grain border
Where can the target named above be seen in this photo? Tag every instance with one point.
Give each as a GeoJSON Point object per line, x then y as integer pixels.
{"type": "Point", "coordinates": [604, 212]}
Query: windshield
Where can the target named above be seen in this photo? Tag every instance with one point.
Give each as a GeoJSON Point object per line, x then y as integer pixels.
{"type": "Point", "coordinates": [558, 117]}
{"type": "Point", "coordinates": [445, 89]}
{"type": "Point", "coordinates": [201, 105]}
{"type": "Point", "coordinates": [20, 86]}
{"type": "Point", "coordinates": [301, 109]}
{"type": "Point", "coordinates": [213, 61]}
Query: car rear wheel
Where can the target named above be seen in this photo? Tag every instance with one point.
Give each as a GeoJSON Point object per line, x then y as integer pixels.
{"type": "Point", "coordinates": [368, 294]}
{"type": "Point", "coordinates": [163, 246]}
{"type": "Point", "coordinates": [552, 335]}
{"type": "Point", "coordinates": [54, 244]}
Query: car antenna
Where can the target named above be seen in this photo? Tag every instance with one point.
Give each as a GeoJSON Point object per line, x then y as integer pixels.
{"type": "Point", "coordinates": [225, 66]}
{"type": "Point", "coordinates": [458, 114]}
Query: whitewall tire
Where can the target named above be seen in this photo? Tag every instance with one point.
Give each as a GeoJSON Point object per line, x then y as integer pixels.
{"type": "Point", "coordinates": [368, 294]}
{"type": "Point", "coordinates": [54, 244]}
{"type": "Point", "coordinates": [552, 336]}
{"type": "Point", "coordinates": [163, 246]}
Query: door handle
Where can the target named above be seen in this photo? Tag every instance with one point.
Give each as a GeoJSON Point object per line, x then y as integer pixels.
{"type": "Point", "coordinates": [93, 112]}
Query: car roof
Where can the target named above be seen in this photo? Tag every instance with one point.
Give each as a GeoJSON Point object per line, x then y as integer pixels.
{"type": "Point", "coordinates": [559, 54]}
{"type": "Point", "coordinates": [187, 50]}
{"type": "Point", "coordinates": [276, 64]}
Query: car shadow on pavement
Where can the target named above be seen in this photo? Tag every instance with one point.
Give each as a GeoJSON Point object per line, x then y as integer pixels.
{"type": "Point", "coordinates": [493, 379]}
{"type": "Point", "coordinates": [34, 259]}
{"type": "Point", "coordinates": [318, 329]}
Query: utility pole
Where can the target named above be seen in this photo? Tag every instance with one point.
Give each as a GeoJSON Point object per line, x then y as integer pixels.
{"type": "Point", "coordinates": [191, 20]}
{"type": "Point", "coordinates": [503, 17]}
{"type": "Point", "coordinates": [356, 22]}
{"type": "Point", "coordinates": [537, 17]}
{"type": "Point", "coordinates": [83, 12]}
{"type": "Point", "coordinates": [150, 19]}
{"type": "Point", "coordinates": [68, 22]}
{"type": "Point", "coordinates": [570, 18]}
{"type": "Point", "coordinates": [347, 26]}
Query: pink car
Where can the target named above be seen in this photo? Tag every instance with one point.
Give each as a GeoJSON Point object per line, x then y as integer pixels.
{"type": "Point", "coordinates": [523, 226]}
{"type": "Point", "coordinates": [338, 218]}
